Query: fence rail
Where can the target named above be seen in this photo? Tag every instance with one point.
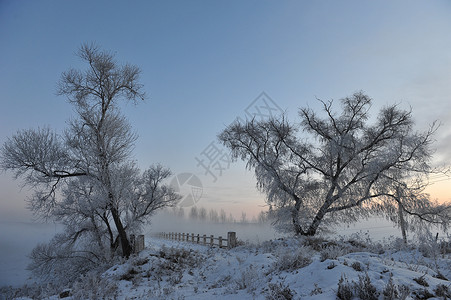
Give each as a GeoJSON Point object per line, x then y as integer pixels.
{"type": "Point", "coordinates": [229, 242]}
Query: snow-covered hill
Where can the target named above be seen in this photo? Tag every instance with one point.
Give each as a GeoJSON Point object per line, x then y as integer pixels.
{"type": "Point", "coordinates": [280, 269]}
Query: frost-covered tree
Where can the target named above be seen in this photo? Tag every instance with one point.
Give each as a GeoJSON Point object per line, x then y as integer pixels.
{"type": "Point", "coordinates": [339, 166]}
{"type": "Point", "coordinates": [193, 214]}
{"type": "Point", "coordinates": [85, 178]}
{"type": "Point", "coordinates": [222, 216]}
{"type": "Point", "coordinates": [213, 216]}
{"type": "Point", "coordinates": [202, 214]}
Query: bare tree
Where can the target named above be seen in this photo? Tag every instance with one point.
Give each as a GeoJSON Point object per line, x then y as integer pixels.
{"type": "Point", "coordinates": [223, 216]}
{"type": "Point", "coordinates": [180, 213]}
{"type": "Point", "coordinates": [202, 214]}
{"type": "Point", "coordinates": [231, 219]}
{"type": "Point", "coordinates": [262, 217]}
{"type": "Point", "coordinates": [85, 178]}
{"type": "Point", "coordinates": [213, 216]}
{"type": "Point", "coordinates": [243, 217]}
{"type": "Point", "coordinates": [193, 213]}
{"type": "Point", "coordinates": [342, 168]}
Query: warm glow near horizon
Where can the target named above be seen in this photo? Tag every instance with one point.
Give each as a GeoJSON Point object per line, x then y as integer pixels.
{"type": "Point", "coordinates": [440, 191]}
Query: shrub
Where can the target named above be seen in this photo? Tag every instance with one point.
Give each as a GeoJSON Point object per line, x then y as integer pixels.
{"type": "Point", "coordinates": [332, 252]}
{"type": "Point", "coordinates": [316, 243]}
{"type": "Point", "coordinates": [421, 281]}
{"type": "Point", "coordinates": [390, 291]}
{"type": "Point", "coordinates": [129, 275]}
{"type": "Point", "coordinates": [178, 257]}
{"type": "Point", "coordinates": [344, 291]}
{"type": "Point", "coordinates": [92, 286]}
{"type": "Point", "coordinates": [357, 266]}
{"type": "Point", "coordinates": [365, 289]}
{"type": "Point", "coordinates": [404, 292]}
{"type": "Point", "coordinates": [288, 260]}
{"type": "Point", "coordinates": [248, 280]}
{"type": "Point", "coordinates": [279, 292]}
{"type": "Point", "coordinates": [423, 294]}
{"type": "Point", "coordinates": [443, 291]}
{"type": "Point", "coordinates": [316, 291]}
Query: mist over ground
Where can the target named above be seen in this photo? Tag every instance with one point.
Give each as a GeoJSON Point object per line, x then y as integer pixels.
{"type": "Point", "coordinates": [255, 232]}
{"type": "Point", "coordinates": [19, 238]}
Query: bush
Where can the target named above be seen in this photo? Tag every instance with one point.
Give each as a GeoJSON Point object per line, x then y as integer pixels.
{"type": "Point", "coordinates": [427, 245]}
{"type": "Point", "coordinates": [421, 281]}
{"type": "Point", "coordinates": [129, 275]}
{"type": "Point", "coordinates": [279, 292]}
{"type": "Point", "coordinates": [357, 266]}
{"type": "Point", "coordinates": [248, 280]}
{"type": "Point", "coordinates": [443, 291]}
{"type": "Point", "coordinates": [288, 260]}
{"type": "Point", "coordinates": [344, 291]}
{"type": "Point", "coordinates": [92, 286]}
{"type": "Point", "coordinates": [390, 291]}
{"type": "Point", "coordinates": [422, 294]}
{"type": "Point", "coordinates": [332, 252]}
{"type": "Point", "coordinates": [365, 289]}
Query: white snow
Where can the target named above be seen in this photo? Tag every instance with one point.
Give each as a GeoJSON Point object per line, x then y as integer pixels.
{"type": "Point", "coordinates": [180, 270]}
{"type": "Point", "coordinates": [247, 272]}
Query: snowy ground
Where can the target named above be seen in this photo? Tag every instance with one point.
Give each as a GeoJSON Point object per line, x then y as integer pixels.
{"type": "Point", "coordinates": [302, 269]}
{"type": "Point", "coordinates": [17, 239]}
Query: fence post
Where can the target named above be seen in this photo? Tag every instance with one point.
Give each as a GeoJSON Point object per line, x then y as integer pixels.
{"type": "Point", "coordinates": [231, 239]}
{"type": "Point", "coordinates": [139, 243]}
{"type": "Point", "coordinates": [132, 243]}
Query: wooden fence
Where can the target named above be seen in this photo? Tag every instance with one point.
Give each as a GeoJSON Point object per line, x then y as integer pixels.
{"type": "Point", "coordinates": [229, 242]}
{"type": "Point", "coordinates": [137, 243]}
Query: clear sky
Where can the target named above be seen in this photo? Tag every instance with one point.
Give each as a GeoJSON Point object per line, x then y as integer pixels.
{"type": "Point", "coordinates": [204, 63]}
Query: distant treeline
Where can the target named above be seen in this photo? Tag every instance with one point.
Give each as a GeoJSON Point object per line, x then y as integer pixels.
{"type": "Point", "coordinates": [212, 215]}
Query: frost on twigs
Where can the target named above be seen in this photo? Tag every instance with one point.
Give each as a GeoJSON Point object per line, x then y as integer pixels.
{"type": "Point", "coordinates": [338, 166]}
{"type": "Point", "coordinates": [86, 178]}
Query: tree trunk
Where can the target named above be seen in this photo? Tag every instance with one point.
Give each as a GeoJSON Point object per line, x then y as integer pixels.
{"type": "Point", "coordinates": [402, 224]}
{"type": "Point", "coordinates": [125, 244]}
{"type": "Point", "coordinates": [295, 218]}
{"type": "Point", "coordinates": [311, 231]}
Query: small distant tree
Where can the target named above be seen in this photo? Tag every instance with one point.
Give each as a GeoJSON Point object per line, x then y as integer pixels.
{"type": "Point", "coordinates": [180, 213]}
{"type": "Point", "coordinates": [213, 215]}
{"type": "Point", "coordinates": [243, 217]}
{"type": "Point", "coordinates": [222, 216]}
{"type": "Point", "coordinates": [85, 178]}
{"type": "Point", "coordinates": [342, 167]}
{"type": "Point", "coordinates": [193, 213]}
{"type": "Point", "coordinates": [202, 214]}
{"type": "Point", "coordinates": [231, 219]}
{"type": "Point", "coordinates": [262, 217]}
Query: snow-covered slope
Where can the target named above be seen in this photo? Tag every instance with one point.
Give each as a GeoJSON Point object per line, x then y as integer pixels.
{"type": "Point", "coordinates": [280, 269]}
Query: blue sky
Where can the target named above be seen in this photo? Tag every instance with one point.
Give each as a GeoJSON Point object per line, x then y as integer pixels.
{"type": "Point", "coordinates": [204, 62]}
